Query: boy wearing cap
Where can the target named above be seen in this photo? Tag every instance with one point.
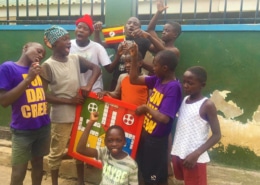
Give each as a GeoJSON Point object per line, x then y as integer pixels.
{"type": "Point", "coordinates": [92, 51]}
{"type": "Point", "coordinates": [21, 87]}
{"type": "Point", "coordinates": [61, 72]}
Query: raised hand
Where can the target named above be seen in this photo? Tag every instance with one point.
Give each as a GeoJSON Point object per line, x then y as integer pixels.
{"type": "Point", "coordinates": [94, 116]}
{"type": "Point", "coordinates": [160, 6]}
{"type": "Point", "coordinates": [133, 50]}
{"type": "Point", "coordinates": [98, 26]}
{"type": "Point", "coordinates": [34, 70]}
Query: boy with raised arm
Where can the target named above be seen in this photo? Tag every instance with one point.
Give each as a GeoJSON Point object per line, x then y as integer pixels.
{"type": "Point", "coordinates": [160, 111]}
{"type": "Point", "coordinates": [118, 167]}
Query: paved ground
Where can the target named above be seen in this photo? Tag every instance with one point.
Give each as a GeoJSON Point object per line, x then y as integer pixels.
{"type": "Point", "coordinates": [217, 175]}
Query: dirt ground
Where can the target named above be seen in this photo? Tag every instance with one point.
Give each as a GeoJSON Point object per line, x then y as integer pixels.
{"type": "Point", "coordinates": [217, 175]}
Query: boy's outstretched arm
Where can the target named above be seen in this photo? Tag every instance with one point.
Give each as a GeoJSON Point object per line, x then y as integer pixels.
{"type": "Point", "coordinates": [118, 91]}
{"type": "Point", "coordinates": [135, 78]}
{"type": "Point", "coordinates": [156, 114]}
{"type": "Point", "coordinates": [157, 44]}
{"type": "Point", "coordinates": [97, 29]}
{"type": "Point", "coordinates": [209, 113]}
{"type": "Point", "coordinates": [114, 94]}
{"type": "Point", "coordinates": [153, 22]}
{"type": "Point", "coordinates": [81, 147]}
{"type": "Point", "coordinates": [111, 67]}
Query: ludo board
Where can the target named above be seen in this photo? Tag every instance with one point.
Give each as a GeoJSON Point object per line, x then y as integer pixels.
{"type": "Point", "coordinates": [111, 112]}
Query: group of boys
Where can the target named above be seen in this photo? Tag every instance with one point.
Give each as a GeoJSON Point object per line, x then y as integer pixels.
{"type": "Point", "coordinates": [75, 65]}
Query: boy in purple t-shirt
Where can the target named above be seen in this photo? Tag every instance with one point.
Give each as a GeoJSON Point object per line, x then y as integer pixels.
{"type": "Point", "coordinates": [160, 111]}
{"type": "Point", "coordinates": [21, 87]}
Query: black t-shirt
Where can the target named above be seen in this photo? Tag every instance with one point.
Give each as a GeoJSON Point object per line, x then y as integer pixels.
{"type": "Point", "coordinates": [143, 47]}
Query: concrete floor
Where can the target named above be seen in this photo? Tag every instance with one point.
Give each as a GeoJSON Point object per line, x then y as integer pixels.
{"type": "Point", "coordinates": [217, 175]}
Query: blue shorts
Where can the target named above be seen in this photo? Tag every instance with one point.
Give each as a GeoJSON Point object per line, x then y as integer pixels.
{"type": "Point", "coordinates": [29, 144]}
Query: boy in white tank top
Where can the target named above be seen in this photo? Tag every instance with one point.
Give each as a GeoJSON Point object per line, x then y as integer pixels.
{"type": "Point", "coordinates": [197, 115]}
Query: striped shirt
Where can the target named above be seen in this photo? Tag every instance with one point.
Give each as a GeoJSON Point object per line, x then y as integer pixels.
{"type": "Point", "coordinates": [117, 172]}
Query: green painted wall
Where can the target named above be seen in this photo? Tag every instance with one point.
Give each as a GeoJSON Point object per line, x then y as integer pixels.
{"type": "Point", "coordinates": [117, 12]}
{"type": "Point", "coordinates": [232, 62]}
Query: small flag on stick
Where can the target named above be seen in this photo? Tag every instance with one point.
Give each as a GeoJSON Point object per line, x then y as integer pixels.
{"type": "Point", "coordinates": [114, 35]}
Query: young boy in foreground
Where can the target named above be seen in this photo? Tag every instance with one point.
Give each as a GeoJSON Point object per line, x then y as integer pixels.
{"type": "Point", "coordinates": [118, 167]}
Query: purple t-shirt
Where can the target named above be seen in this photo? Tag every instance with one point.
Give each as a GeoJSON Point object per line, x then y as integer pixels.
{"type": "Point", "coordinates": [167, 99]}
{"type": "Point", "coordinates": [29, 111]}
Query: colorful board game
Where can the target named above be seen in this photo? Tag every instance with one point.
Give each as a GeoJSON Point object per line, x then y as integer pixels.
{"type": "Point", "coordinates": [111, 112]}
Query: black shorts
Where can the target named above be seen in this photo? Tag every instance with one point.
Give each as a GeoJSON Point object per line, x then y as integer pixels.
{"type": "Point", "coordinates": [152, 158]}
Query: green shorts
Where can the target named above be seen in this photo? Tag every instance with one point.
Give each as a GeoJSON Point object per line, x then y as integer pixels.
{"type": "Point", "coordinates": [29, 144]}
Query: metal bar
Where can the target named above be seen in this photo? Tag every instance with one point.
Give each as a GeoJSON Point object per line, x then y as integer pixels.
{"type": "Point", "coordinates": [69, 9]}
{"type": "Point", "coordinates": [136, 6]}
{"type": "Point", "coordinates": [91, 8]}
{"type": "Point", "coordinates": [210, 9]}
{"type": "Point", "coordinates": [165, 12]}
{"type": "Point", "coordinates": [225, 11]}
{"type": "Point", "coordinates": [241, 10]}
{"type": "Point", "coordinates": [195, 9]}
{"type": "Point", "coordinates": [43, 21]}
{"type": "Point", "coordinates": [102, 11]}
{"type": "Point", "coordinates": [151, 9]}
{"type": "Point", "coordinates": [181, 10]}
{"type": "Point", "coordinates": [58, 9]}
{"type": "Point", "coordinates": [37, 9]}
{"type": "Point", "coordinates": [80, 7]}
{"type": "Point", "coordinates": [7, 10]}
{"type": "Point", "coordinates": [256, 11]}
{"type": "Point", "coordinates": [27, 9]}
{"type": "Point", "coordinates": [17, 8]}
{"type": "Point", "coordinates": [48, 9]}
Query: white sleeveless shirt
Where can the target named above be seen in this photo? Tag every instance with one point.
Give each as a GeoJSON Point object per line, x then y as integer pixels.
{"type": "Point", "coordinates": [191, 131]}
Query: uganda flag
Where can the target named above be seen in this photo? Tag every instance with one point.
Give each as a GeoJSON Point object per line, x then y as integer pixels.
{"type": "Point", "coordinates": [114, 35]}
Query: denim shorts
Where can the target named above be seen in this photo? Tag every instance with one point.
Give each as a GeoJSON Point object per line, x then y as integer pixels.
{"type": "Point", "coordinates": [29, 144]}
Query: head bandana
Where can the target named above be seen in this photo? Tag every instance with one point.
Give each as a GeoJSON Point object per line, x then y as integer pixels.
{"type": "Point", "coordinates": [87, 20]}
{"type": "Point", "coordinates": [54, 33]}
